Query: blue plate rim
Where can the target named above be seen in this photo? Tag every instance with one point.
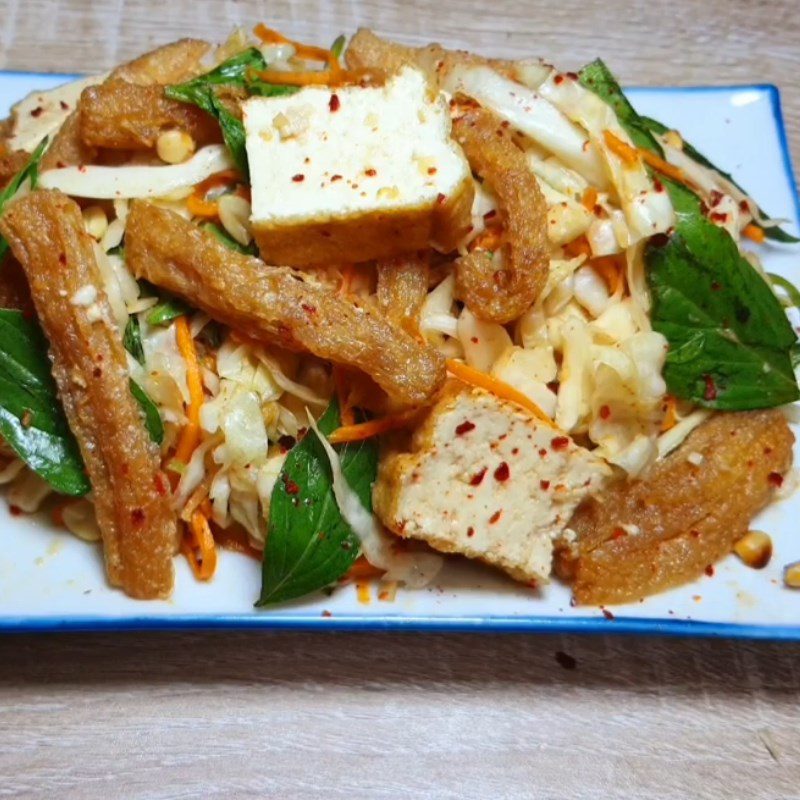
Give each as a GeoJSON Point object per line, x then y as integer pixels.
{"type": "Point", "coordinates": [438, 624]}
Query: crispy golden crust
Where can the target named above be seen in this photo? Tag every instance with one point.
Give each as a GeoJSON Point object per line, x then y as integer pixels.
{"type": "Point", "coordinates": [123, 116]}
{"type": "Point", "coordinates": [276, 303]}
{"type": "Point", "coordinates": [688, 516]}
{"type": "Point", "coordinates": [46, 233]}
{"type": "Point", "coordinates": [365, 237]}
{"type": "Point", "coordinates": [501, 295]}
{"type": "Point", "coordinates": [68, 149]}
{"type": "Point", "coordinates": [402, 289]}
{"type": "Point", "coordinates": [369, 52]}
{"type": "Point", "coordinates": [172, 63]}
{"type": "Point", "coordinates": [12, 163]}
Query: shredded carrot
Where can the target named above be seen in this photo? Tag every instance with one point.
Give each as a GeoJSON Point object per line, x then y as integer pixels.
{"type": "Point", "coordinates": [670, 414]}
{"type": "Point", "coordinates": [190, 435]}
{"type": "Point", "coordinates": [343, 394]}
{"type": "Point", "coordinates": [198, 547]}
{"type": "Point", "coordinates": [754, 233]}
{"type": "Point", "coordinates": [578, 247]}
{"type": "Point", "coordinates": [362, 570]}
{"type": "Point", "coordinates": [665, 168]}
{"type": "Point", "coordinates": [589, 199]}
{"type": "Point", "coordinates": [323, 77]}
{"type": "Point", "coordinates": [308, 52]}
{"type": "Point", "coordinates": [225, 177]}
{"type": "Point", "coordinates": [197, 204]}
{"type": "Point", "coordinates": [497, 387]}
{"type": "Point", "coordinates": [196, 502]}
{"type": "Point", "coordinates": [335, 76]}
{"type": "Point", "coordinates": [374, 427]}
{"type": "Point", "coordinates": [612, 270]}
{"type": "Point", "coordinates": [628, 154]}
{"type": "Point", "coordinates": [198, 207]}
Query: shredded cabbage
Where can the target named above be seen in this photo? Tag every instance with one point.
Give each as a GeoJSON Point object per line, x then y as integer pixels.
{"type": "Point", "coordinates": [531, 114]}
{"type": "Point", "coordinates": [110, 183]}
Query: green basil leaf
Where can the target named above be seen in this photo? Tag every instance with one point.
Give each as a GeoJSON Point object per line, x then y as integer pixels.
{"type": "Point", "coordinates": [152, 419]}
{"type": "Point", "coordinates": [309, 544]}
{"type": "Point", "coordinates": [232, 133]}
{"type": "Point", "coordinates": [166, 311]}
{"type": "Point", "coordinates": [200, 91]}
{"type": "Point", "coordinates": [598, 78]}
{"type": "Point", "coordinates": [30, 170]}
{"type": "Point", "coordinates": [775, 233]}
{"type": "Point", "coordinates": [730, 343]}
{"type": "Point", "coordinates": [132, 339]}
{"type": "Point", "coordinates": [221, 235]}
{"type": "Point", "coordinates": [32, 419]}
{"type": "Point", "coordinates": [232, 72]}
{"type": "Point", "coordinates": [337, 48]}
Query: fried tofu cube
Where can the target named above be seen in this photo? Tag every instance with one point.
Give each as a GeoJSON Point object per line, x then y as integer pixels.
{"type": "Point", "coordinates": [488, 481]}
{"type": "Point", "coordinates": [355, 173]}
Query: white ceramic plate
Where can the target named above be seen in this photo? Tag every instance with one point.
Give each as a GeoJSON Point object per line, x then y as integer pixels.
{"type": "Point", "coordinates": [50, 580]}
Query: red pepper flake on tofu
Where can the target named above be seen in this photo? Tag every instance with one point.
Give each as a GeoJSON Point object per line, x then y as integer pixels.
{"type": "Point", "coordinates": [496, 516]}
{"type": "Point", "coordinates": [502, 473]}
{"type": "Point", "coordinates": [560, 443]}
{"type": "Point", "coordinates": [334, 103]}
{"type": "Point", "coordinates": [477, 478]}
{"type": "Point", "coordinates": [544, 485]}
{"type": "Point", "coordinates": [465, 427]}
{"type": "Point", "coordinates": [298, 178]}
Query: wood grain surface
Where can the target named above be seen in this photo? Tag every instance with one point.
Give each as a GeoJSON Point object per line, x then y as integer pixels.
{"type": "Point", "coordinates": [407, 716]}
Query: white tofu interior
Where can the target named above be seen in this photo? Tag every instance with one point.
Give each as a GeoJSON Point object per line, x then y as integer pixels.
{"type": "Point", "coordinates": [336, 153]}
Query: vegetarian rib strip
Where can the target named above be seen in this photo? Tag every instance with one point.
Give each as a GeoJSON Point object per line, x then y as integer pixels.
{"type": "Point", "coordinates": [636, 539]}
{"type": "Point", "coordinates": [124, 116]}
{"type": "Point", "coordinates": [402, 289]}
{"type": "Point", "coordinates": [46, 234]}
{"type": "Point", "coordinates": [277, 304]}
{"type": "Point", "coordinates": [171, 63]}
{"type": "Point", "coordinates": [492, 293]}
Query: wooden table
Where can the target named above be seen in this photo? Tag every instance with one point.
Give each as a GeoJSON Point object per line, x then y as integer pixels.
{"type": "Point", "coordinates": [408, 716]}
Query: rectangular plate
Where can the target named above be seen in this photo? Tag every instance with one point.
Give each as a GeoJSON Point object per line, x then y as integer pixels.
{"type": "Point", "coordinates": [51, 581]}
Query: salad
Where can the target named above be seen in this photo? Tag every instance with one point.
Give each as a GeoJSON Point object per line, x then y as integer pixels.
{"type": "Point", "coordinates": [353, 310]}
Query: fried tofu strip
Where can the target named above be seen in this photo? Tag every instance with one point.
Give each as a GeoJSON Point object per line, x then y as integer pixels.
{"type": "Point", "coordinates": [132, 502]}
{"type": "Point", "coordinates": [366, 51]}
{"type": "Point", "coordinates": [636, 539]}
{"type": "Point", "coordinates": [277, 304]}
{"type": "Point", "coordinates": [171, 63]}
{"type": "Point", "coordinates": [503, 294]}
{"type": "Point", "coordinates": [119, 115]}
{"type": "Point", "coordinates": [402, 289]}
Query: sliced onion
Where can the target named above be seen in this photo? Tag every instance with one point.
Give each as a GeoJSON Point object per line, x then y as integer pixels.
{"type": "Point", "coordinates": [112, 183]}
